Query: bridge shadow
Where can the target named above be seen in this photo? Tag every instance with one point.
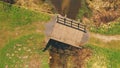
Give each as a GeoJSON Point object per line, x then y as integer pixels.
{"type": "Point", "coordinates": [58, 45]}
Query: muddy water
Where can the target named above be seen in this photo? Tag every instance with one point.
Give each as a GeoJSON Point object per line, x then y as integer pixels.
{"type": "Point", "coordinates": [70, 8]}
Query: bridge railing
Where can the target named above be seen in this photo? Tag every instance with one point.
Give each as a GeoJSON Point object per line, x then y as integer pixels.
{"type": "Point", "coordinates": [71, 23]}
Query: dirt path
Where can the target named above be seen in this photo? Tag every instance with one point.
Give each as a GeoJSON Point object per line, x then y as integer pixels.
{"type": "Point", "coordinates": [106, 38]}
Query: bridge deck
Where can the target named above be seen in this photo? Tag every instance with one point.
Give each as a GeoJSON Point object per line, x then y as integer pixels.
{"type": "Point", "coordinates": [69, 31]}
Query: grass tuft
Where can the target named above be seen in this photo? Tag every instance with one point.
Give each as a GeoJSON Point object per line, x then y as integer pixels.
{"type": "Point", "coordinates": [103, 57]}
{"type": "Point", "coordinates": [112, 28]}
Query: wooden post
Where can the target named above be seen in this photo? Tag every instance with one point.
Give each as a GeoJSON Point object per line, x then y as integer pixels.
{"type": "Point", "coordinates": [64, 21]}
{"type": "Point", "coordinates": [84, 28]}
{"type": "Point", "coordinates": [57, 18]}
{"type": "Point", "coordinates": [78, 25]}
{"type": "Point", "coordinates": [71, 22]}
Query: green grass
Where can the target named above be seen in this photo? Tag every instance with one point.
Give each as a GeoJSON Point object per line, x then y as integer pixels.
{"type": "Point", "coordinates": [84, 10]}
{"type": "Point", "coordinates": [14, 52]}
{"type": "Point", "coordinates": [112, 29]}
{"type": "Point", "coordinates": [22, 38]}
{"type": "Point", "coordinates": [17, 16]}
{"type": "Point", "coordinates": [105, 54]}
{"type": "Point", "coordinates": [103, 57]}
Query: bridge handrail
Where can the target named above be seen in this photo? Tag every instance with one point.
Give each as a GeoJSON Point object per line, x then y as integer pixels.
{"type": "Point", "coordinates": [71, 23]}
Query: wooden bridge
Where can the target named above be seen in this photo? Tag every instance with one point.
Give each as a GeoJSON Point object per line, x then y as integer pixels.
{"type": "Point", "coordinates": [69, 32]}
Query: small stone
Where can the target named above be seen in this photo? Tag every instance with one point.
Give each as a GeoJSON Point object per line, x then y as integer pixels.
{"type": "Point", "coordinates": [18, 45]}
{"type": "Point", "coordinates": [20, 57]}
{"type": "Point", "coordinates": [50, 57]}
{"type": "Point", "coordinates": [6, 66]}
{"type": "Point", "coordinates": [14, 47]}
{"type": "Point", "coordinates": [7, 54]}
{"type": "Point", "coordinates": [19, 49]}
{"type": "Point", "coordinates": [24, 48]}
{"type": "Point", "coordinates": [16, 51]}
{"type": "Point", "coordinates": [34, 48]}
{"type": "Point", "coordinates": [14, 61]}
{"type": "Point", "coordinates": [29, 50]}
{"type": "Point", "coordinates": [15, 65]}
{"type": "Point", "coordinates": [12, 55]}
{"type": "Point", "coordinates": [26, 66]}
{"type": "Point", "coordinates": [22, 60]}
{"type": "Point", "coordinates": [16, 33]}
{"type": "Point", "coordinates": [31, 38]}
{"type": "Point", "coordinates": [38, 31]}
{"type": "Point", "coordinates": [25, 57]}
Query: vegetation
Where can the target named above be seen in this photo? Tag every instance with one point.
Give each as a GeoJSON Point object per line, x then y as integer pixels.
{"type": "Point", "coordinates": [105, 54]}
{"type": "Point", "coordinates": [22, 38]}
{"type": "Point", "coordinates": [102, 12]}
{"type": "Point", "coordinates": [84, 10]}
{"type": "Point", "coordinates": [17, 16]}
{"type": "Point", "coordinates": [24, 51]}
{"type": "Point", "coordinates": [98, 16]}
{"type": "Point", "coordinates": [113, 45]}
{"type": "Point", "coordinates": [109, 29]}
{"type": "Point", "coordinates": [104, 58]}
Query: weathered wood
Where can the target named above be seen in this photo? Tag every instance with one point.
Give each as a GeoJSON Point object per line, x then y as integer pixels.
{"type": "Point", "coordinates": [69, 31]}
{"type": "Point", "coordinates": [71, 23]}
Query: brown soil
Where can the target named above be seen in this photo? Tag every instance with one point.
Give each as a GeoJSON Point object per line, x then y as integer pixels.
{"type": "Point", "coordinates": [66, 56]}
{"type": "Point", "coordinates": [34, 62]}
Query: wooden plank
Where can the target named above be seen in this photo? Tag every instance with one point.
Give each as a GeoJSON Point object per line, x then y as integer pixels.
{"type": "Point", "coordinates": [68, 35]}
